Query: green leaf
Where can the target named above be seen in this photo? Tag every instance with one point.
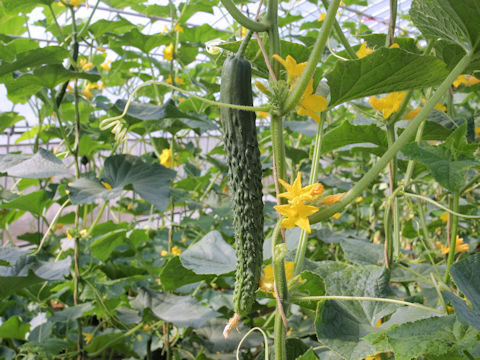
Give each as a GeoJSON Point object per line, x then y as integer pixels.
{"type": "Point", "coordinates": [8, 119]}
{"type": "Point", "coordinates": [383, 71]}
{"type": "Point", "coordinates": [26, 270]}
{"type": "Point", "coordinates": [346, 134]}
{"type": "Point", "coordinates": [193, 6]}
{"type": "Point", "coordinates": [211, 255]}
{"type": "Point", "coordinates": [174, 275]}
{"type": "Point", "coordinates": [35, 57]}
{"type": "Point", "coordinates": [103, 26]}
{"type": "Point", "coordinates": [451, 20]}
{"type": "Point", "coordinates": [437, 336]}
{"type": "Point", "coordinates": [146, 43]}
{"type": "Point", "coordinates": [103, 245]}
{"type": "Point", "coordinates": [463, 312]}
{"type": "Point", "coordinates": [362, 252]}
{"type": "Point", "coordinates": [15, 6]}
{"type": "Point", "coordinates": [167, 117]}
{"type": "Point", "coordinates": [34, 202]}
{"type": "Point", "coordinates": [465, 274]}
{"type": "Point", "coordinates": [340, 325]}
{"type": "Point", "coordinates": [150, 181]}
{"type": "Point", "coordinates": [42, 164]}
{"type": "Point", "coordinates": [14, 328]}
{"type": "Point", "coordinates": [449, 173]}
{"type": "Point", "coordinates": [182, 311]}
{"type": "Point", "coordinates": [308, 355]}
{"type": "Point", "coordinates": [72, 313]}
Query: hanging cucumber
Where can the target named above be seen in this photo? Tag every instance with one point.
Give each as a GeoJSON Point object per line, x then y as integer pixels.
{"type": "Point", "coordinates": [245, 173]}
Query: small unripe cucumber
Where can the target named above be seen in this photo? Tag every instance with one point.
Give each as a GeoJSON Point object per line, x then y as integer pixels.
{"type": "Point", "coordinates": [245, 174]}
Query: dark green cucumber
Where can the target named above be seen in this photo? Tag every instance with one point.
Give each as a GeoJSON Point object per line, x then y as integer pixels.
{"type": "Point", "coordinates": [245, 174]}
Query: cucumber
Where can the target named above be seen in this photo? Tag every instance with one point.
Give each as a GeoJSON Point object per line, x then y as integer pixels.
{"type": "Point", "coordinates": [245, 175]}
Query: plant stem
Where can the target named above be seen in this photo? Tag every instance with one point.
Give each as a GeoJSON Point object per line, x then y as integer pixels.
{"type": "Point", "coordinates": [315, 56]}
{"type": "Point", "coordinates": [341, 36]}
{"type": "Point", "coordinates": [317, 149]}
{"type": "Point", "coordinates": [390, 38]}
{"type": "Point", "coordinates": [242, 19]}
{"type": "Point", "coordinates": [281, 291]}
{"type": "Point", "coordinates": [401, 141]}
{"type": "Point", "coordinates": [453, 236]}
{"type": "Point", "coordinates": [244, 45]}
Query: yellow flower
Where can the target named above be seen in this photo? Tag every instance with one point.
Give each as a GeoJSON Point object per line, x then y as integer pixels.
{"type": "Point", "coordinates": [337, 215]}
{"type": "Point", "coordinates": [358, 199]}
{"type": "Point", "coordinates": [69, 235]}
{"type": "Point", "coordinates": [86, 91]}
{"type": "Point", "coordinates": [101, 49]}
{"type": "Point", "coordinates": [374, 357]}
{"type": "Point", "coordinates": [297, 192]}
{"type": "Point", "coordinates": [467, 80]}
{"type": "Point", "coordinates": [178, 80]}
{"type": "Point", "coordinates": [164, 253]}
{"type": "Point", "coordinates": [412, 114]}
{"type": "Point", "coordinates": [88, 337]}
{"type": "Point", "coordinates": [459, 246]}
{"type": "Point", "coordinates": [322, 16]}
{"type": "Point", "coordinates": [296, 215]}
{"type": "Point", "coordinates": [364, 50]}
{"type": "Point", "coordinates": [294, 70]}
{"type": "Point", "coordinates": [85, 65]}
{"type": "Point", "coordinates": [107, 185]}
{"type": "Point", "coordinates": [262, 114]}
{"type": "Point", "coordinates": [165, 29]}
{"type": "Point", "coordinates": [168, 52]}
{"type": "Point", "coordinates": [243, 32]}
{"type": "Point", "coordinates": [444, 217]}
{"type": "Point", "coordinates": [178, 28]}
{"type": "Point", "coordinates": [166, 158]}
{"type": "Point", "coordinates": [440, 107]}
{"type": "Point", "coordinates": [76, 3]}
{"type": "Point", "coordinates": [176, 251]}
{"type": "Point", "coordinates": [332, 199]}
{"type": "Point", "coordinates": [262, 87]}
{"type": "Point", "coordinates": [311, 104]}
{"type": "Point", "coordinates": [106, 65]}
{"type": "Point", "coordinates": [389, 104]}
{"type": "Point", "coordinates": [266, 279]}
{"type": "Point", "coordinates": [394, 46]}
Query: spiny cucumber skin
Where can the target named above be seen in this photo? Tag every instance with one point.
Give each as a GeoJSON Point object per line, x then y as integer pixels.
{"type": "Point", "coordinates": [245, 174]}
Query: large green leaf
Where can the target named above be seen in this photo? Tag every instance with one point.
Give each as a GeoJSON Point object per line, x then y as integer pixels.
{"type": "Point", "coordinates": [167, 117]}
{"type": "Point", "coordinates": [103, 245]}
{"type": "Point", "coordinates": [103, 26]}
{"type": "Point", "coordinates": [150, 181]}
{"type": "Point", "coordinates": [452, 20]}
{"type": "Point", "coordinates": [26, 270]}
{"type": "Point", "coordinates": [8, 119]}
{"type": "Point", "coordinates": [463, 312]}
{"type": "Point", "coordinates": [383, 71]}
{"type": "Point", "coordinates": [14, 328]}
{"type": "Point", "coordinates": [362, 252]}
{"type": "Point", "coordinates": [465, 274]}
{"type": "Point", "coordinates": [347, 134]}
{"type": "Point", "coordinates": [448, 172]}
{"type": "Point", "coordinates": [436, 336]}
{"type": "Point", "coordinates": [42, 164]}
{"type": "Point", "coordinates": [15, 6]}
{"type": "Point", "coordinates": [174, 274]}
{"type": "Point", "coordinates": [35, 202]}
{"type": "Point", "coordinates": [146, 43]}
{"type": "Point", "coordinates": [340, 325]}
{"type": "Point", "coordinates": [182, 311]}
{"type": "Point", "coordinates": [35, 57]}
{"type": "Point", "coordinates": [211, 255]}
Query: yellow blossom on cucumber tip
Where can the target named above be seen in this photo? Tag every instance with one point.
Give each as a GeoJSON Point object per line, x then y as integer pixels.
{"type": "Point", "coordinates": [168, 52]}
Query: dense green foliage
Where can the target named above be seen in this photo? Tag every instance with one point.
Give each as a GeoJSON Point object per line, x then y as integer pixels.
{"type": "Point", "coordinates": [135, 191]}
